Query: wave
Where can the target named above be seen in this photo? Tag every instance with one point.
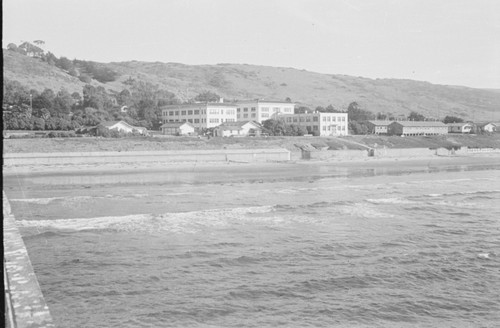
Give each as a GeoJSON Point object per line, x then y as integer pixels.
{"type": "Point", "coordinates": [389, 201]}
{"type": "Point", "coordinates": [465, 193]}
{"type": "Point", "coordinates": [48, 200]}
{"type": "Point", "coordinates": [173, 222]}
{"type": "Point", "coordinates": [269, 216]}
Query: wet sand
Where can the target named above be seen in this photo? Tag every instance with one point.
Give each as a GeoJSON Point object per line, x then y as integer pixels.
{"type": "Point", "coordinates": [196, 172]}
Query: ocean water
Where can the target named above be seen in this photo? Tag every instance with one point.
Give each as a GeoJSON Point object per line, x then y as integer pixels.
{"type": "Point", "coordinates": [391, 249]}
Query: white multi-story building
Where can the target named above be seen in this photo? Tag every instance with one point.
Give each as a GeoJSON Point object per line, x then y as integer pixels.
{"type": "Point", "coordinates": [323, 124]}
{"type": "Point", "coordinates": [261, 110]}
{"type": "Point", "coordinates": [200, 115]}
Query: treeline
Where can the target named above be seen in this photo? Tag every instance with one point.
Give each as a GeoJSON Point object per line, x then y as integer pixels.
{"type": "Point", "coordinates": [138, 105]}
{"type": "Point", "coordinates": [82, 69]}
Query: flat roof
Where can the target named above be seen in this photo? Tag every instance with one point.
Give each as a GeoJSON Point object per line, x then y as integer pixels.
{"type": "Point", "coordinates": [199, 105]}
{"type": "Point", "coordinates": [265, 101]}
{"type": "Point", "coordinates": [379, 122]}
{"type": "Point", "coordinates": [421, 123]}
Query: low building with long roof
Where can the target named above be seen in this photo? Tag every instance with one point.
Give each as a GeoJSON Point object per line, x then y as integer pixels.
{"type": "Point", "coordinates": [417, 128]}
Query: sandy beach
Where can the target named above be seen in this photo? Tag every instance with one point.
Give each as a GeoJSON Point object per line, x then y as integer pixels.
{"type": "Point", "coordinates": [293, 167]}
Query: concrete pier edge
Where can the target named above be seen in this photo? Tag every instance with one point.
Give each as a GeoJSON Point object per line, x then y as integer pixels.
{"type": "Point", "coordinates": [25, 304]}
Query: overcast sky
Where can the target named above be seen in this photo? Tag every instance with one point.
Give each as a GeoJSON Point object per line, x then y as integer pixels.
{"type": "Point", "coordinates": [453, 42]}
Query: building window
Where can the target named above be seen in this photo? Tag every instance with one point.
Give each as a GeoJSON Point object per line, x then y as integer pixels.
{"type": "Point", "coordinates": [238, 116]}
{"type": "Point", "coordinates": [334, 119]}
{"type": "Point", "coordinates": [295, 119]}
{"type": "Point", "coordinates": [308, 119]}
{"type": "Point", "coordinates": [214, 120]}
{"type": "Point", "coordinates": [190, 112]}
{"type": "Point", "coordinates": [315, 127]}
{"type": "Point", "coordinates": [315, 119]}
{"type": "Point", "coordinates": [238, 109]}
{"type": "Point", "coordinates": [171, 113]}
{"type": "Point", "coordinates": [213, 111]}
{"type": "Point", "coordinates": [287, 110]}
{"type": "Point", "coordinates": [190, 120]}
{"type": "Point", "coordinates": [253, 115]}
{"type": "Point", "coordinates": [183, 112]}
{"type": "Point", "coordinates": [253, 109]}
{"type": "Point", "coordinates": [245, 115]}
{"type": "Point", "coordinates": [265, 110]}
{"type": "Point", "coordinates": [265, 115]}
{"type": "Point", "coordinates": [245, 109]}
{"type": "Point", "coordinates": [301, 119]}
{"type": "Point", "coordinates": [176, 112]}
{"type": "Point", "coordinates": [197, 120]}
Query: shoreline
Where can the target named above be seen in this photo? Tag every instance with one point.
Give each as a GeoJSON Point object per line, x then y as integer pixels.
{"type": "Point", "coordinates": [486, 159]}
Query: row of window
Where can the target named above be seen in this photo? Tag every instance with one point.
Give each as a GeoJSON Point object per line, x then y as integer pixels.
{"type": "Point", "coordinates": [332, 128]}
{"type": "Point", "coordinates": [245, 109]}
{"type": "Point", "coordinates": [266, 109]}
{"type": "Point", "coordinates": [184, 112]}
{"type": "Point", "coordinates": [333, 119]}
{"type": "Point", "coordinates": [253, 115]}
{"type": "Point", "coordinates": [198, 112]}
{"type": "Point", "coordinates": [217, 111]}
{"type": "Point", "coordinates": [198, 120]}
{"type": "Point", "coordinates": [302, 119]}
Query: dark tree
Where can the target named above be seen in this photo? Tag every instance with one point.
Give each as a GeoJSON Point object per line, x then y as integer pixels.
{"type": "Point", "coordinates": [358, 128]}
{"type": "Point", "coordinates": [414, 116]}
{"type": "Point", "coordinates": [355, 113]}
{"type": "Point", "coordinates": [452, 119]}
{"type": "Point", "coordinates": [302, 110]}
{"type": "Point", "coordinates": [207, 96]}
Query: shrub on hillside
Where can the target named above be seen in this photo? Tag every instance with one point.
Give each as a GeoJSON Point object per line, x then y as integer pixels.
{"type": "Point", "coordinates": [85, 78]}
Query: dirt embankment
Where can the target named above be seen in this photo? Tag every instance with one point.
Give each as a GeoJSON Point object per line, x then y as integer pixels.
{"type": "Point", "coordinates": [294, 144]}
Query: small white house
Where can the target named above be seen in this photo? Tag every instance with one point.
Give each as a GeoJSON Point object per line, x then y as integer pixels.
{"type": "Point", "coordinates": [177, 128]}
{"type": "Point", "coordinates": [240, 129]}
{"type": "Point", "coordinates": [487, 126]}
{"type": "Point", "coordinates": [459, 127]}
{"type": "Point", "coordinates": [124, 127]}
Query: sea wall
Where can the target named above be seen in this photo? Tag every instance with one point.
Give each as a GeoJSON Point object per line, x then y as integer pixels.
{"type": "Point", "coordinates": [403, 152]}
{"type": "Point", "coordinates": [393, 153]}
{"type": "Point", "coordinates": [24, 302]}
{"type": "Point", "coordinates": [225, 155]}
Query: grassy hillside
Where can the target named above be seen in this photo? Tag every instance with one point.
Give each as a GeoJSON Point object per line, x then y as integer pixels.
{"type": "Point", "coordinates": [239, 81]}
{"type": "Point", "coordinates": [39, 75]}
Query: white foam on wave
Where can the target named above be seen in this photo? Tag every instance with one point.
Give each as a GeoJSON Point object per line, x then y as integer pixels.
{"type": "Point", "coordinates": [48, 200]}
{"type": "Point", "coordinates": [389, 201]}
{"type": "Point", "coordinates": [40, 201]}
{"type": "Point", "coordinates": [173, 222]}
